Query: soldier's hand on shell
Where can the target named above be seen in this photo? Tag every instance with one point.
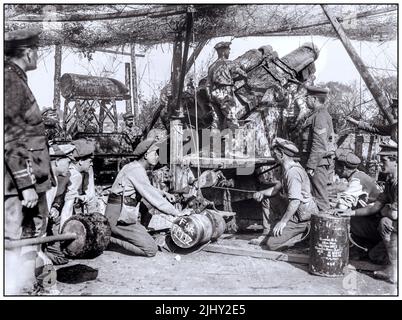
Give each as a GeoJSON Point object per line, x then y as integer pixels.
{"type": "Point", "coordinates": [30, 198]}
{"type": "Point", "coordinates": [258, 196]}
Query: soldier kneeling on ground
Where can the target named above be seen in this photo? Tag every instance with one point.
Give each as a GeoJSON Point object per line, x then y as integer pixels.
{"type": "Point", "coordinates": [296, 204]}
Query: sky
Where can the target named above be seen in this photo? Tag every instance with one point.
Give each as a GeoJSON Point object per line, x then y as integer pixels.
{"type": "Point", "coordinates": [153, 70]}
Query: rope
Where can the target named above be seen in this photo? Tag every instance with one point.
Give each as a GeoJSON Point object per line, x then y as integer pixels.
{"type": "Point", "coordinates": [234, 189]}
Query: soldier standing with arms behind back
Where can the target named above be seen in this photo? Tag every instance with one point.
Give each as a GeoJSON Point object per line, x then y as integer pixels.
{"type": "Point", "coordinates": [317, 148]}
{"type": "Point", "coordinates": [27, 164]}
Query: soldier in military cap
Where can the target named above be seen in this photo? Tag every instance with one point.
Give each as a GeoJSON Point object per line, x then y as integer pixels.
{"type": "Point", "coordinates": [294, 208]}
{"type": "Point", "coordinates": [132, 134]}
{"type": "Point", "coordinates": [53, 129]}
{"type": "Point", "coordinates": [61, 157]}
{"type": "Point", "coordinates": [27, 165]}
{"type": "Point", "coordinates": [361, 189]}
{"type": "Point", "coordinates": [317, 148]}
{"type": "Point", "coordinates": [81, 184]}
{"type": "Point", "coordinates": [221, 76]}
{"type": "Point", "coordinates": [129, 188]}
{"type": "Point", "coordinates": [385, 227]}
{"type": "Point", "coordinates": [382, 130]}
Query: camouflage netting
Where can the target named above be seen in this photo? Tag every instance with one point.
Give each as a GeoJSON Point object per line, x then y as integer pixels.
{"type": "Point", "coordinates": [94, 26]}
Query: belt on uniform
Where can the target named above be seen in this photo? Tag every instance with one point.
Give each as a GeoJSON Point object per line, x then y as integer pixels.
{"type": "Point", "coordinates": [117, 199]}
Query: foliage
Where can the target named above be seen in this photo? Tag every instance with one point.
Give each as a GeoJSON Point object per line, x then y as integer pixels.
{"type": "Point", "coordinates": [347, 100]}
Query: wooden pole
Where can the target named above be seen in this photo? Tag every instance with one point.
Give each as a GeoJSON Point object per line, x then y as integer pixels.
{"type": "Point", "coordinates": [57, 75]}
{"type": "Point", "coordinates": [371, 84]}
{"type": "Point", "coordinates": [195, 54]}
{"type": "Point", "coordinates": [176, 126]}
{"type": "Point", "coordinates": [129, 108]}
{"type": "Point", "coordinates": [134, 87]}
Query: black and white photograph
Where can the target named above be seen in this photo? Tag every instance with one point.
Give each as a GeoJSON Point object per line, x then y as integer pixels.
{"type": "Point", "coordinates": [200, 150]}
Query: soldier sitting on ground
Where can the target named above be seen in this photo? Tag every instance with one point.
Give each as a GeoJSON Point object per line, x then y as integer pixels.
{"type": "Point", "coordinates": [295, 205]}
{"type": "Point", "coordinates": [384, 212]}
{"type": "Point", "coordinates": [81, 186]}
{"type": "Point", "coordinates": [61, 158]}
{"type": "Point", "coordinates": [361, 191]}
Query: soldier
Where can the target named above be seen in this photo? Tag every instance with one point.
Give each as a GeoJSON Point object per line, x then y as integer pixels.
{"type": "Point", "coordinates": [383, 130]}
{"type": "Point", "coordinates": [52, 126]}
{"type": "Point", "coordinates": [76, 189]}
{"type": "Point", "coordinates": [129, 188]}
{"type": "Point", "coordinates": [27, 164]}
{"type": "Point", "coordinates": [61, 158]}
{"type": "Point", "coordinates": [317, 145]}
{"type": "Point", "coordinates": [221, 76]}
{"type": "Point", "coordinates": [383, 221]}
{"type": "Point", "coordinates": [294, 207]}
{"type": "Point", "coordinates": [361, 189]}
{"type": "Point", "coordinates": [132, 134]}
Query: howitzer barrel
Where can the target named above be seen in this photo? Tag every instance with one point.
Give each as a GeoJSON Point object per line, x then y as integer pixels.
{"type": "Point", "coordinates": [188, 231]}
{"type": "Point", "coordinates": [74, 86]}
{"type": "Point", "coordinates": [301, 57]}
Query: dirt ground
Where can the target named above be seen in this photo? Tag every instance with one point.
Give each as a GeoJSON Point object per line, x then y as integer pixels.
{"type": "Point", "coordinates": [205, 273]}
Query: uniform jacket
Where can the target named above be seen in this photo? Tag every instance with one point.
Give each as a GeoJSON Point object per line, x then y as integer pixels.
{"type": "Point", "coordinates": [317, 132]}
{"type": "Point", "coordinates": [133, 181]}
{"type": "Point", "coordinates": [222, 72]}
{"type": "Point", "coordinates": [27, 162]}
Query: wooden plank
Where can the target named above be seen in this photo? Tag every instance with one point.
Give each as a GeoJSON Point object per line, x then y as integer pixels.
{"type": "Point", "coordinates": [264, 254]}
{"type": "Point", "coordinates": [281, 256]}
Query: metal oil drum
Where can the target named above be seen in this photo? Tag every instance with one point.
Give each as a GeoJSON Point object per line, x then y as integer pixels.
{"type": "Point", "coordinates": [199, 228]}
{"type": "Point", "coordinates": [329, 245]}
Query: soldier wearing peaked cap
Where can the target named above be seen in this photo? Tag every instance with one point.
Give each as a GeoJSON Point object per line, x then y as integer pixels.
{"type": "Point", "coordinates": [130, 187]}
{"type": "Point", "coordinates": [132, 134]}
{"type": "Point", "coordinates": [81, 184]}
{"type": "Point", "coordinates": [53, 129]}
{"type": "Point", "coordinates": [295, 208]}
{"type": "Point", "coordinates": [221, 76]}
{"type": "Point", "coordinates": [317, 144]}
{"type": "Point", "coordinates": [381, 129]}
{"type": "Point", "coordinates": [361, 189]}
{"type": "Point", "coordinates": [61, 157]}
{"type": "Point", "coordinates": [382, 216]}
{"type": "Point", "coordinates": [27, 164]}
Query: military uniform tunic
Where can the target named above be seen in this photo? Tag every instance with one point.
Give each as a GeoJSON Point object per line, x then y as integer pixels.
{"type": "Point", "coordinates": [27, 162]}
{"type": "Point", "coordinates": [317, 132]}
{"type": "Point", "coordinates": [220, 77]}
